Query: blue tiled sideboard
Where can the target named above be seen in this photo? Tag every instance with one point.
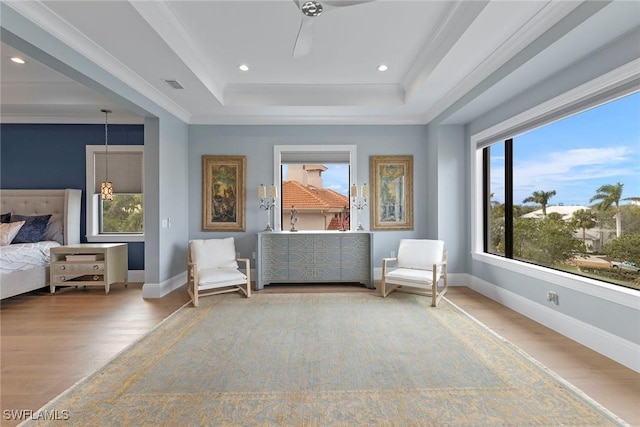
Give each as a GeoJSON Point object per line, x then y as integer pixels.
{"type": "Point", "coordinates": [314, 257]}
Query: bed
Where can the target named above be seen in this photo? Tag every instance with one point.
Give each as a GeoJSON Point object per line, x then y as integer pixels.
{"type": "Point", "coordinates": [25, 266]}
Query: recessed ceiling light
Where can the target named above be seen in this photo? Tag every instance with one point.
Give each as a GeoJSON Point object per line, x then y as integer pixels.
{"type": "Point", "coordinates": [17, 60]}
{"type": "Point", "coordinates": [382, 67]}
{"type": "Point", "coordinates": [243, 67]}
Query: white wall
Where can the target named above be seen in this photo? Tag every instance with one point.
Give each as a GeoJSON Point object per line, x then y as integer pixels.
{"type": "Point", "coordinates": [166, 205]}
{"type": "Point", "coordinates": [451, 195]}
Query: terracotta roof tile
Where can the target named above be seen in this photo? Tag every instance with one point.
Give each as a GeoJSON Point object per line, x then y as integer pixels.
{"type": "Point", "coordinates": [300, 196]}
{"type": "Point", "coordinates": [334, 224]}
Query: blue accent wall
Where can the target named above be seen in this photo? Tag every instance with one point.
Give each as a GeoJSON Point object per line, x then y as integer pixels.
{"type": "Point", "coordinates": [53, 156]}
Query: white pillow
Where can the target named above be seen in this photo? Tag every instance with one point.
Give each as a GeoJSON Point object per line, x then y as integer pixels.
{"type": "Point", "coordinates": [8, 231]}
{"type": "Point", "coordinates": [214, 253]}
{"type": "Point", "coordinates": [54, 229]}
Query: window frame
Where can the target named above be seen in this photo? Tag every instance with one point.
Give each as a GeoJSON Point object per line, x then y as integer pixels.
{"type": "Point", "coordinates": [93, 202]}
{"type": "Point", "coordinates": [312, 150]}
{"type": "Point", "coordinates": [611, 86]}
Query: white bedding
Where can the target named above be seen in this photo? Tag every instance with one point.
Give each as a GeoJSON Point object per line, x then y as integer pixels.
{"type": "Point", "coordinates": [25, 256]}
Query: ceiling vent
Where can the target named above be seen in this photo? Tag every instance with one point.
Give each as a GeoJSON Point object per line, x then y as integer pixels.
{"type": "Point", "coordinates": [174, 84]}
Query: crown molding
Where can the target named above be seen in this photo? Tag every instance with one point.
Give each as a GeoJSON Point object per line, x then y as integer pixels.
{"type": "Point", "coordinates": [308, 119]}
{"type": "Point", "coordinates": [255, 95]}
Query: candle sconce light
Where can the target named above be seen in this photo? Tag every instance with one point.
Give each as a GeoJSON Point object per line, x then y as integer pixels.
{"type": "Point", "coordinates": [267, 202]}
{"type": "Point", "coordinates": [359, 201]}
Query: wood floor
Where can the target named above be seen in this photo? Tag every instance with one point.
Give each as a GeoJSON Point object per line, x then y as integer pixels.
{"type": "Point", "coordinates": [50, 342]}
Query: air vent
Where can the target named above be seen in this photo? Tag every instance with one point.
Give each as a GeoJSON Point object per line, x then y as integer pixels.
{"type": "Point", "coordinates": [174, 84]}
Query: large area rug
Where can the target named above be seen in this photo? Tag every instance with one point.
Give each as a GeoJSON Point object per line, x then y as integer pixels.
{"type": "Point", "coordinates": [322, 360]}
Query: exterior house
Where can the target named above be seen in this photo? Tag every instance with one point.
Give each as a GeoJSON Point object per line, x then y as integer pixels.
{"type": "Point", "coordinates": [565, 211]}
{"type": "Point", "coordinates": [317, 208]}
{"type": "Point", "coordinates": [445, 146]}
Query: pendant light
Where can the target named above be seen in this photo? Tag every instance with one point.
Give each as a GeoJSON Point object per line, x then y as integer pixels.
{"type": "Point", "coordinates": [106, 187]}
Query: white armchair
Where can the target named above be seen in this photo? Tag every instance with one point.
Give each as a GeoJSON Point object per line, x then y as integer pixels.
{"type": "Point", "coordinates": [212, 268]}
{"type": "Point", "coordinates": [420, 265]}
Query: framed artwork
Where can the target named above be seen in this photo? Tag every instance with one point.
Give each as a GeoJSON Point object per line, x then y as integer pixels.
{"type": "Point", "coordinates": [223, 193]}
{"type": "Point", "coordinates": [391, 180]}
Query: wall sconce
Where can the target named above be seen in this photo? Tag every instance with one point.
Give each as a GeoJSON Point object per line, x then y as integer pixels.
{"type": "Point", "coordinates": [359, 201]}
{"type": "Point", "coordinates": [267, 204]}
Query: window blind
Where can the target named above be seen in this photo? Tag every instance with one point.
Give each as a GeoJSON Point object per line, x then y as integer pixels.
{"type": "Point", "coordinates": [125, 171]}
{"type": "Point", "coordinates": [316, 157]}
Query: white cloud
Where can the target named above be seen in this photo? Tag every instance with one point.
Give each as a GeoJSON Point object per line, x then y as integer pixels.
{"type": "Point", "coordinates": [575, 174]}
{"type": "Point", "coordinates": [576, 165]}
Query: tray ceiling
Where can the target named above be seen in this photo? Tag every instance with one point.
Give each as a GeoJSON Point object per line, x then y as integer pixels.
{"type": "Point", "coordinates": [437, 53]}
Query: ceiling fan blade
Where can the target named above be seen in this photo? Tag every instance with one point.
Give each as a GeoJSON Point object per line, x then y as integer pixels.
{"type": "Point", "coordinates": [330, 4]}
{"type": "Point", "coordinates": [304, 38]}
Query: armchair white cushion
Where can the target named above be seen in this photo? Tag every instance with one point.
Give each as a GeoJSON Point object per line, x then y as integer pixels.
{"type": "Point", "coordinates": [212, 268]}
{"type": "Point", "coordinates": [419, 267]}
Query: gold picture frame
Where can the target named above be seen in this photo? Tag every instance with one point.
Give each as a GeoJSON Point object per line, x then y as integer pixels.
{"type": "Point", "coordinates": [223, 193]}
{"type": "Point", "coordinates": [391, 179]}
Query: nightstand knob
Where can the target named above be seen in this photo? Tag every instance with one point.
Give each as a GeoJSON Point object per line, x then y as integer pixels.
{"type": "Point", "coordinates": [63, 267]}
{"type": "Point", "coordinates": [96, 267]}
{"type": "Point", "coordinates": [62, 278]}
{"type": "Point", "coordinates": [96, 277]}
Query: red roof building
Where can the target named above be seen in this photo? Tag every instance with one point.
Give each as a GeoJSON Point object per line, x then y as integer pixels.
{"type": "Point", "coordinates": [316, 208]}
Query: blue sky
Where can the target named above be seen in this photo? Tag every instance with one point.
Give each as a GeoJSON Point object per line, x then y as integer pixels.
{"type": "Point", "coordinates": [578, 154]}
{"type": "Point", "coordinates": [336, 177]}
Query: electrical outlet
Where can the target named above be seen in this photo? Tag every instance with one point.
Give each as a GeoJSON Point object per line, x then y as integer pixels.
{"type": "Point", "coordinates": [553, 297]}
{"type": "Point", "coordinates": [253, 255]}
{"type": "Point", "coordinates": [393, 254]}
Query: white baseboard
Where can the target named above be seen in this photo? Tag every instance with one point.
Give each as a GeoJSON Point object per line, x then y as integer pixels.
{"type": "Point", "coordinates": [622, 351]}
{"type": "Point", "coordinates": [158, 290]}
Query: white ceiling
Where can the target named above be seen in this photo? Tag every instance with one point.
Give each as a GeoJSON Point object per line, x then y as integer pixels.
{"type": "Point", "coordinates": [438, 53]}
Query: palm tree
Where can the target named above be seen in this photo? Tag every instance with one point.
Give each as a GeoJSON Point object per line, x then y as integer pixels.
{"type": "Point", "coordinates": [541, 198]}
{"type": "Point", "coordinates": [584, 219]}
{"type": "Point", "coordinates": [606, 196]}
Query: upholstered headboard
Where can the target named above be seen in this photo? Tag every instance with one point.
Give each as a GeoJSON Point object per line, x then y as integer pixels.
{"type": "Point", "coordinates": [62, 203]}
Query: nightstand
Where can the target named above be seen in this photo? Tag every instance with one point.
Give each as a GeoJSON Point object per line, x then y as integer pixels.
{"type": "Point", "coordinates": [91, 264]}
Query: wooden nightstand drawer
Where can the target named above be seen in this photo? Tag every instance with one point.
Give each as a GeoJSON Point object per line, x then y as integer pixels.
{"type": "Point", "coordinates": [67, 267]}
{"type": "Point", "coordinates": [73, 279]}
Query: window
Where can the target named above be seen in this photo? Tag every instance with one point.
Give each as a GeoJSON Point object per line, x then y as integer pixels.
{"type": "Point", "coordinates": [309, 163]}
{"type": "Point", "coordinates": [320, 194]}
{"type": "Point", "coordinates": [566, 195]}
{"type": "Point", "coordinates": [120, 219]}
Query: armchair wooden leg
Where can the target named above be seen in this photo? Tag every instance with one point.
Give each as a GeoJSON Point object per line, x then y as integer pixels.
{"type": "Point", "coordinates": [434, 294]}
{"type": "Point", "coordinates": [192, 281]}
{"type": "Point", "coordinates": [193, 293]}
{"type": "Point", "coordinates": [195, 296]}
{"type": "Point", "coordinates": [248, 283]}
